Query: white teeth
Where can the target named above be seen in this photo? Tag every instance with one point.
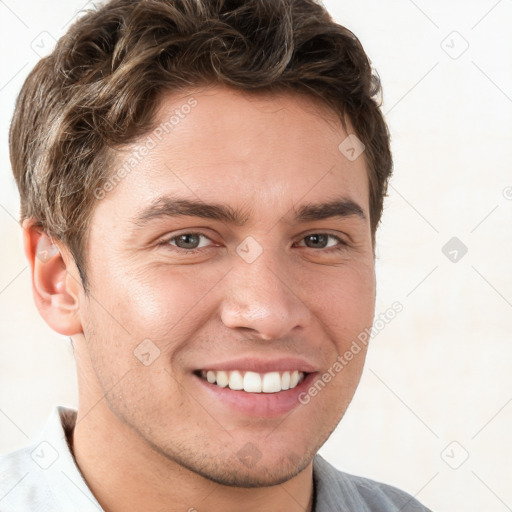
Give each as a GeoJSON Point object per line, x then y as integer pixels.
{"type": "Point", "coordinates": [222, 379]}
{"type": "Point", "coordinates": [236, 381]}
{"type": "Point", "coordinates": [285, 380]}
{"type": "Point", "coordinates": [294, 379]}
{"type": "Point", "coordinates": [252, 382]}
{"type": "Point", "coordinates": [271, 382]}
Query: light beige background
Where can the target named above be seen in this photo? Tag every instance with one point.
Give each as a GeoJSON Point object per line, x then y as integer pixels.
{"type": "Point", "coordinates": [437, 386]}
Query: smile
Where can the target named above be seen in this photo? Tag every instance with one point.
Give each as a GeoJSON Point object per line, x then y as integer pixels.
{"type": "Point", "coordinates": [252, 382]}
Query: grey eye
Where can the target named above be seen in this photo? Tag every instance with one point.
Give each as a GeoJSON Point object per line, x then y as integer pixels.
{"type": "Point", "coordinates": [317, 241]}
{"type": "Point", "coordinates": [187, 240]}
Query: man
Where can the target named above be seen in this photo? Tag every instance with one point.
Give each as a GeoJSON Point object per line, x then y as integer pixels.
{"type": "Point", "coordinates": [201, 182]}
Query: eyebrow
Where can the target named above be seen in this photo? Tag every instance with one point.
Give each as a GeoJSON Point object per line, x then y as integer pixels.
{"type": "Point", "coordinates": [167, 206]}
{"type": "Point", "coordinates": [341, 207]}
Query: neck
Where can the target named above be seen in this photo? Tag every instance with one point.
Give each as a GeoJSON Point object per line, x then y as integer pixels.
{"type": "Point", "coordinates": [125, 473]}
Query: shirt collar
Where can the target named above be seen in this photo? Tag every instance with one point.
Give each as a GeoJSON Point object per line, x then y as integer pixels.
{"type": "Point", "coordinates": [53, 455]}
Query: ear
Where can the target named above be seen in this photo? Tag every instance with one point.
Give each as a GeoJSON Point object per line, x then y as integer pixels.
{"type": "Point", "coordinates": [56, 283]}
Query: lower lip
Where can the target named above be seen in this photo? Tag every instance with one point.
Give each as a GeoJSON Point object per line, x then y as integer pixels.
{"type": "Point", "coordinates": [261, 405]}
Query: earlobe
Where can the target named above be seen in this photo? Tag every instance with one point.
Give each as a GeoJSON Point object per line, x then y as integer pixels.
{"type": "Point", "coordinates": [55, 288]}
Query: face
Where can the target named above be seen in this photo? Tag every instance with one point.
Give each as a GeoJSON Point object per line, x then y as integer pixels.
{"type": "Point", "coordinates": [237, 250]}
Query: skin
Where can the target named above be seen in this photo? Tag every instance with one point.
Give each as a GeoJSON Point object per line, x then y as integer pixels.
{"type": "Point", "coordinates": [149, 437]}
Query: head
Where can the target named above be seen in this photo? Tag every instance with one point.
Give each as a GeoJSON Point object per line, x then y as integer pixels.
{"type": "Point", "coordinates": [188, 158]}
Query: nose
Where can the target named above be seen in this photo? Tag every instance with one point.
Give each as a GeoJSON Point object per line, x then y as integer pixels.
{"type": "Point", "coordinates": [262, 298]}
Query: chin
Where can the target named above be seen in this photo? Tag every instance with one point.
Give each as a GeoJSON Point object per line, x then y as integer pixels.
{"type": "Point", "coordinates": [259, 476]}
{"type": "Point", "coordinates": [246, 470]}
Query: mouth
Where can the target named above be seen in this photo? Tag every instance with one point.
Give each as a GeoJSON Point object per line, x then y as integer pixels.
{"type": "Point", "coordinates": [253, 386]}
{"type": "Point", "coordinates": [253, 382]}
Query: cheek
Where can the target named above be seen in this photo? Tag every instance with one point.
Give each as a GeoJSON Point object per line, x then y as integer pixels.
{"type": "Point", "coordinates": [345, 302]}
{"type": "Point", "coordinates": [162, 303]}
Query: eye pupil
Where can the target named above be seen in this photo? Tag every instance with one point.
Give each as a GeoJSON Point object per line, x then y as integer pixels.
{"type": "Point", "coordinates": [187, 241]}
{"type": "Point", "coordinates": [317, 240]}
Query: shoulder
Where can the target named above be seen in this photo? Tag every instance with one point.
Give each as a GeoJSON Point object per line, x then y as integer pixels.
{"type": "Point", "coordinates": [22, 482]}
{"type": "Point", "coordinates": [43, 476]}
{"type": "Point", "coordinates": [341, 491]}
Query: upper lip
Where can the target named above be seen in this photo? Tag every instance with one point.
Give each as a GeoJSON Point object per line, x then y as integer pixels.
{"type": "Point", "coordinates": [261, 365]}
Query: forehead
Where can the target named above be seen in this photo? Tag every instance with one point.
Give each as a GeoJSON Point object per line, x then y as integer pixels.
{"type": "Point", "coordinates": [260, 150]}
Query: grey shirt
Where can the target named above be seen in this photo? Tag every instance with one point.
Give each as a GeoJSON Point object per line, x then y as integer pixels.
{"type": "Point", "coordinates": [44, 477]}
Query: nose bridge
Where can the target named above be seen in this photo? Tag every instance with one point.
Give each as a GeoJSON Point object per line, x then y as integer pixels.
{"type": "Point", "coordinates": [259, 297]}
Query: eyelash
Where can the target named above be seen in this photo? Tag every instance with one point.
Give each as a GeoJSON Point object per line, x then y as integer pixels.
{"type": "Point", "coordinates": [342, 244]}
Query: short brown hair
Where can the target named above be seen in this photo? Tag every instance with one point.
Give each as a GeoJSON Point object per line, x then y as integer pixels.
{"type": "Point", "coordinates": [100, 88]}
